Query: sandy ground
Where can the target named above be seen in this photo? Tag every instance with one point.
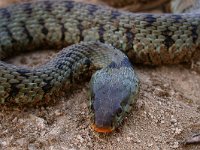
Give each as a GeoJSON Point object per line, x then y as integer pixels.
{"type": "Point", "coordinates": [167, 112]}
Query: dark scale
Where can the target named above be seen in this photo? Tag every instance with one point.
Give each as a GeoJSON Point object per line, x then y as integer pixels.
{"type": "Point", "coordinates": [41, 21]}
{"type": "Point", "coordinates": [115, 14]}
{"type": "Point", "coordinates": [27, 7]}
{"type": "Point", "coordinates": [113, 65]}
{"type": "Point", "coordinates": [5, 13]}
{"type": "Point", "coordinates": [10, 34]}
{"type": "Point", "coordinates": [63, 30]}
{"type": "Point", "coordinates": [177, 18]}
{"type": "Point", "coordinates": [92, 9]}
{"type": "Point", "coordinates": [150, 19]}
{"type": "Point", "coordinates": [14, 90]}
{"type": "Point", "coordinates": [130, 37]}
{"type": "Point", "coordinates": [124, 63]}
{"type": "Point", "coordinates": [59, 65]}
{"type": "Point", "coordinates": [80, 28]}
{"type": "Point", "coordinates": [48, 6]}
{"type": "Point", "coordinates": [101, 33]}
{"type": "Point", "coordinates": [87, 63]}
{"type": "Point", "coordinates": [68, 54]}
{"type": "Point", "coordinates": [23, 72]}
{"type": "Point", "coordinates": [194, 33]}
{"type": "Point", "coordinates": [69, 5]}
{"type": "Point", "coordinates": [30, 38]}
{"type": "Point", "coordinates": [168, 38]}
{"type": "Point", "coordinates": [44, 29]}
{"type": "Point", "coordinates": [46, 88]}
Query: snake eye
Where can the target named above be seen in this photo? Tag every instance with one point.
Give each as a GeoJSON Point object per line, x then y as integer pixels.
{"type": "Point", "coordinates": [119, 111]}
{"type": "Point", "coordinates": [124, 102]}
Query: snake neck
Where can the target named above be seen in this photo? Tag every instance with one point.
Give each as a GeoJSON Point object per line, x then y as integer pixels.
{"type": "Point", "coordinates": [72, 64]}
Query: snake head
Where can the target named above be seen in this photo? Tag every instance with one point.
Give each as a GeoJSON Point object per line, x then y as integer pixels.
{"type": "Point", "coordinates": [113, 91]}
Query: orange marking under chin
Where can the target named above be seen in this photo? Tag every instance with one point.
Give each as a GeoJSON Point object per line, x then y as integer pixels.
{"type": "Point", "coordinates": [102, 130]}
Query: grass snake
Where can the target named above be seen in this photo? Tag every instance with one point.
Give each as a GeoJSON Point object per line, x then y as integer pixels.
{"type": "Point", "coordinates": [98, 38]}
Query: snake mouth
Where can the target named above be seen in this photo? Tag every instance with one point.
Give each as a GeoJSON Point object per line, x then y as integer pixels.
{"type": "Point", "coordinates": [101, 129]}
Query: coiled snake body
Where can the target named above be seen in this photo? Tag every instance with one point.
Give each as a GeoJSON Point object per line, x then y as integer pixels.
{"type": "Point", "coordinates": [146, 38]}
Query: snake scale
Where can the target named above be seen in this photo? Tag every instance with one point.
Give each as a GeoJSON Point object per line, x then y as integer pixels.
{"type": "Point", "coordinates": [97, 38]}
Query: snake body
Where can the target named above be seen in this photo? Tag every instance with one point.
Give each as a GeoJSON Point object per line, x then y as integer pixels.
{"type": "Point", "coordinates": [146, 38]}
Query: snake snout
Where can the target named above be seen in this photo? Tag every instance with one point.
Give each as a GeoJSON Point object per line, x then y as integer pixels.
{"type": "Point", "coordinates": [103, 124]}
{"type": "Point", "coordinates": [105, 119]}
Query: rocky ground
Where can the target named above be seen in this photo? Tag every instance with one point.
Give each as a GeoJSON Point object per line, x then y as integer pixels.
{"type": "Point", "coordinates": [167, 113]}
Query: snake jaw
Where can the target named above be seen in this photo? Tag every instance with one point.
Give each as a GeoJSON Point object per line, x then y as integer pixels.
{"type": "Point", "coordinates": [102, 129]}
{"type": "Point", "coordinates": [99, 129]}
